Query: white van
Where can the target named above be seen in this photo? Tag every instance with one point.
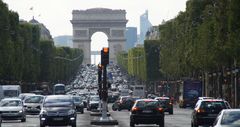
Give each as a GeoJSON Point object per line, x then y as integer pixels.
{"type": "Point", "coordinates": [7, 91]}
{"type": "Point", "coordinates": [139, 91]}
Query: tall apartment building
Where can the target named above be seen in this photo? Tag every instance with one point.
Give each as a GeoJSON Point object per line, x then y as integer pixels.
{"type": "Point", "coordinates": [131, 37]}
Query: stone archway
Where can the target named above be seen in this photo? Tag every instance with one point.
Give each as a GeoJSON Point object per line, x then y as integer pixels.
{"type": "Point", "coordinates": [111, 22]}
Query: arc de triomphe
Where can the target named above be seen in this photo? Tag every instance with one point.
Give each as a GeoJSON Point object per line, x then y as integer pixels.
{"type": "Point", "coordinates": [111, 22]}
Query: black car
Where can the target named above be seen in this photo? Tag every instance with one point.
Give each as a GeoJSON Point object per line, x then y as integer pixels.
{"type": "Point", "coordinates": [147, 111]}
{"type": "Point", "coordinates": [123, 102]}
{"type": "Point", "coordinates": [93, 102]}
{"type": "Point", "coordinates": [58, 110]}
{"type": "Point", "coordinates": [166, 104]}
{"type": "Point", "coordinates": [78, 101]}
{"type": "Point", "coordinates": [206, 111]}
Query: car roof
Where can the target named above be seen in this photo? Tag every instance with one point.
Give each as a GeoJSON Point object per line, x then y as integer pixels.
{"type": "Point", "coordinates": [212, 100]}
{"type": "Point", "coordinates": [27, 94]}
{"type": "Point", "coordinates": [33, 95]}
{"type": "Point", "coordinates": [226, 110]}
{"type": "Point", "coordinates": [146, 100]}
{"type": "Point", "coordinates": [58, 96]}
{"type": "Point", "coordinates": [162, 98]}
{"type": "Point", "coordinates": [205, 97]}
{"type": "Point", "coordinates": [12, 99]}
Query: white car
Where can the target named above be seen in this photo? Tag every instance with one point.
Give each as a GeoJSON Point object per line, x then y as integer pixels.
{"type": "Point", "coordinates": [228, 118]}
{"type": "Point", "coordinates": [202, 98]}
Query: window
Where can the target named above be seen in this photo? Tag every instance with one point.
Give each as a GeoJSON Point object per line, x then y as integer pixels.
{"type": "Point", "coordinates": [231, 118]}
{"type": "Point", "coordinates": [10, 103]}
{"type": "Point", "coordinates": [34, 99]}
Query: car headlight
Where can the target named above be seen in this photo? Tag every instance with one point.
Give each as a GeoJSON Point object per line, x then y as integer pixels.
{"type": "Point", "coordinates": [20, 111]}
{"type": "Point", "coordinates": [70, 112]}
{"type": "Point", "coordinates": [43, 112]}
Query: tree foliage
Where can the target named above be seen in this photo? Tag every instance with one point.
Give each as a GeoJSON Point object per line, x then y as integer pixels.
{"type": "Point", "coordinates": [204, 38]}
{"type": "Point", "coordinates": [23, 57]}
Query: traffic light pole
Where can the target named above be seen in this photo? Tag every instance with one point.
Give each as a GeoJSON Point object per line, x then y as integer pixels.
{"type": "Point", "coordinates": [104, 94]}
{"type": "Point", "coordinates": [103, 91]}
{"type": "Point", "coordinates": [100, 86]}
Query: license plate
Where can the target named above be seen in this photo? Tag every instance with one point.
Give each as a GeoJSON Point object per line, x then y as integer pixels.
{"type": "Point", "coordinates": [147, 111]}
{"type": "Point", "coordinates": [57, 119]}
{"type": "Point", "coordinates": [9, 114]}
{"type": "Point", "coordinates": [212, 115]}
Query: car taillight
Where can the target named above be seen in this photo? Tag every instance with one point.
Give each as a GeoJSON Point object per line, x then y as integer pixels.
{"type": "Point", "coordinates": [160, 109]}
{"type": "Point", "coordinates": [200, 110]}
{"type": "Point", "coordinates": [135, 109]}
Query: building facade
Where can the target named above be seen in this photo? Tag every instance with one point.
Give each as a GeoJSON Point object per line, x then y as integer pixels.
{"type": "Point", "coordinates": [87, 22]}
{"type": "Point", "coordinates": [44, 32]}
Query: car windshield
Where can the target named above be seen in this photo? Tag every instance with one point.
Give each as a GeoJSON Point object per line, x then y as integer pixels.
{"type": "Point", "coordinates": [58, 101]}
{"type": "Point", "coordinates": [10, 103]}
{"type": "Point", "coordinates": [10, 93]}
{"type": "Point", "coordinates": [147, 104]}
{"type": "Point", "coordinates": [77, 99]}
{"type": "Point", "coordinates": [34, 99]}
{"type": "Point", "coordinates": [163, 101]}
{"type": "Point", "coordinates": [94, 98]}
{"type": "Point", "coordinates": [210, 105]}
{"type": "Point", "coordinates": [231, 118]}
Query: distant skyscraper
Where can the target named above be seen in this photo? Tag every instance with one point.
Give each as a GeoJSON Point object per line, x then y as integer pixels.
{"type": "Point", "coordinates": [144, 26]}
{"type": "Point", "coordinates": [131, 37]}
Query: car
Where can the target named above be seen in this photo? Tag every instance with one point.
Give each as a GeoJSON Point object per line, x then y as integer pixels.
{"type": "Point", "coordinates": [78, 101]}
{"type": "Point", "coordinates": [93, 102]}
{"type": "Point", "coordinates": [228, 118]}
{"type": "Point", "coordinates": [12, 109]}
{"type": "Point", "coordinates": [147, 111]}
{"type": "Point", "coordinates": [32, 104]}
{"type": "Point", "coordinates": [166, 104]}
{"type": "Point", "coordinates": [123, 102]}
{"type": "Point", "coordinates": [206, 111]}
{"type": "Point", "coordinates": [202, 98]}
{"type": "Point", "coordinates": [58, 110]}
{"type": "Point", "coordinates": [23, 95]}
{"type": "Point", "coordinates": [0, 119]}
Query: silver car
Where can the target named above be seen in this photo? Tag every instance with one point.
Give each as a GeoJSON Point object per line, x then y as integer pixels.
{"type": "Point", "coordinates": [12, 109]}
{"type": "Point", "coordinates": [33, 103]}
{"type": "Point", "coordinates": [228, 118]}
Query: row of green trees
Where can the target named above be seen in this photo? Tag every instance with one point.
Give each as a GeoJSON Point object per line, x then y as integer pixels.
{"type": "Point", "coordinates": [142, 62]}
{"type": "Point", "coordinates": [205, 38]}
{"type": "Point", "coordinates": [25, 57]}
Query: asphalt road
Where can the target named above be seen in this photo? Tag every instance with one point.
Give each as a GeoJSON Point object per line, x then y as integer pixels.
{"type": "Point", "coordinates": [180, 118]}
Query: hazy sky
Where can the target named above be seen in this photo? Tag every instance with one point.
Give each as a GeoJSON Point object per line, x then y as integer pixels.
{"type": "Point", "coordinates": [56, 14]}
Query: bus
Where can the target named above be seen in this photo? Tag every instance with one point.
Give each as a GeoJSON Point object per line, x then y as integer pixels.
{"type": "Point", "coordinates": [59, 89]}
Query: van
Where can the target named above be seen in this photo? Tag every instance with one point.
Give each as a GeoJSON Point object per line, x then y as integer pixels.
{"type": "Point", "coordinates": [7, 91]}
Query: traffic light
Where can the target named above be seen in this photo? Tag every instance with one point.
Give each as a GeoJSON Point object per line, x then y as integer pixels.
{"type": "Point", "coordinates": [99, 69]}
{"type": "Point", "coordinates": [105, 56]}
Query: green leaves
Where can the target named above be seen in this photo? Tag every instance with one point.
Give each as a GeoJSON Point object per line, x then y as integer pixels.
{"type": "Point", "coordinates": [24, 57]}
